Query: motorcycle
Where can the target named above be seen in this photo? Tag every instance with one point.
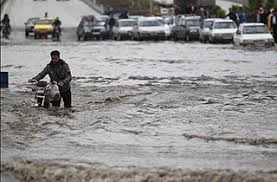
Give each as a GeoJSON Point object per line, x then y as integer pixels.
{"type": "Point", "coordinates": [6, 31]}
{"type": "Point", "coordinates": [45, 93]}
{"type": "Point", "coordinates": [56, 33]}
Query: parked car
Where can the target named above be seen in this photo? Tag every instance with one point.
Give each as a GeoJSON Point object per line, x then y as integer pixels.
{"type": "Point", "coordinates": [187, 28]}
{"type": "Point", "coordinates": [253, 34]}
{"type": "Point", "coordinates": [30, 25]}
{"type": "Point", "coordinates": [43, 27]}
{"type": "Point", "coordinates": [167, 27]}
{"type": "Point", "coordinates": [205, 29]}
{"type": "Point", "coordinates": [123, 28]}
{"type": "Point", "coordinates": [148, 28]}
{"type": "Point", "coordinates": [102, 18]}
{"type": "Point", "coordinates": [91, 28]}
{"type": "Point", "coordinates": [222, 31]}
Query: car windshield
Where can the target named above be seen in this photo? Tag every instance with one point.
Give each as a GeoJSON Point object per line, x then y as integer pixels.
{"type": "Point", "coordinates": [92, 23]}
{"type": "Point", "coordinates": [127, 23]}
{"type": "Point", "coordinates": [33, 20]}
{"type": "Point", "coordinates": [193, 23]}
{"type": "Point", "coordinates": [102, 18]}
{"type": "Point", "coordinates": [88, 23]}
{"type": "Point", "coordinates": [169, 20]}
{"type": "Point", "coordinates": [255, 29]}
{"type": "Point", "coordinates": [151, 23]}
{"type": "Point", "coordinates": [45, 22]}
{"type": "Point", "coordinates": [223, 25]}
{"type": "Point", "coordinates": [208, 24]}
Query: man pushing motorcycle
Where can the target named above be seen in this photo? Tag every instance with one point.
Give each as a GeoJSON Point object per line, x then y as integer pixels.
{"type": "Point", "coordinates": [58, 70]}
{"type": "Point", "coordinates": [57, 28]}
{"type": "Point", "coordinates": [5, 26]}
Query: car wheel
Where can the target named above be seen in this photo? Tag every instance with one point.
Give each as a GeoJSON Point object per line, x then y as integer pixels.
{"type": "Point", "coordinates": [118, 37]}
{"type": "Point", "coordinates": [211, 41]}
{"type": "Point", "coordinates": [132, 37]}
{"type": "Point", "coordinates": [204, 40]}
{"type": "Point", "coordinates": [84, 38]}
{"type": "Point", "coordinates": [187, 38]}
{"type": "Point", "coordinates": [139, 38]}
{"type": "Point", "coordinates": [201, 39]}
{"type": "Point", "coordinates": [113, 37]}
{"type": "Point", "coordinates": [175, 37]}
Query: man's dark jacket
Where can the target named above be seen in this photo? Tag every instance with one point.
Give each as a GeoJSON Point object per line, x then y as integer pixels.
{"type": "Point", "coordinates": [57, 72]}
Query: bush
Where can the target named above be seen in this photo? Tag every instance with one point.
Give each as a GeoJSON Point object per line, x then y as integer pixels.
{"type": "Point", "coordinates": [217, 11]}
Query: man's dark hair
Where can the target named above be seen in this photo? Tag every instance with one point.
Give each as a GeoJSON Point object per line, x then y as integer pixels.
{"type": "Point", "coordinates": [55, 53]}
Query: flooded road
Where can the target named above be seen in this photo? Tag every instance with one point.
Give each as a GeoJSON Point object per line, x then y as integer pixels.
{"type": "Point", "coordinates": [142, 111]}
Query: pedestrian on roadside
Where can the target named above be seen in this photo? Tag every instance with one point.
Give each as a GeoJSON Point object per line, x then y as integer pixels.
{"type": "Point", "coordinates": [5, 24]}
{"type": "Point", "coordinates": [261, 16]}
{"type": "Point", "coordinates": [58, 70]}
{"type": "Point", "coordinates": [241, 16]}
{"type": "Point", "coordinates": [191, 9]}
{"type": "Point", "coordinates": [274, 25]}
{"type": "Point", "coordinates": [111, 24]}
{"type": "Point", "coordinates": [202, 13]}
{"type": "Point", "coordinates": [5, 20]}
{"type": "Point", "coordinates": [232, 15]}
{"type": "Point", "coordinates": [269, 20]}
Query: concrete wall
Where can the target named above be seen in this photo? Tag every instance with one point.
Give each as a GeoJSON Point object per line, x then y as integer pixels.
{"type": "Point", "coordinates": [94, 5]}
{"type": "Point", "coordinates": [3, 2]}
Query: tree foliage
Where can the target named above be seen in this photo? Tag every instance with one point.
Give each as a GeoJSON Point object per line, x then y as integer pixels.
{"type": "Point", "coordinates": [139, 4]}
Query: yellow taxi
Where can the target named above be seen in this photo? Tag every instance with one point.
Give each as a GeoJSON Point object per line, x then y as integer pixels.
{"type": "Point", "coordinates": [44, 27]}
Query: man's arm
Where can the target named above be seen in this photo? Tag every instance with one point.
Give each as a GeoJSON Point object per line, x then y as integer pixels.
{"type": "Point", "coordinates": [42, 74]}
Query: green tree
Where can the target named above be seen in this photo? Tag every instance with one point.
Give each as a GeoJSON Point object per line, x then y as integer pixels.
{"type": "Point", "coordinates": [252, 5]}
{"type": "Point", "coordinates": [139, 4]}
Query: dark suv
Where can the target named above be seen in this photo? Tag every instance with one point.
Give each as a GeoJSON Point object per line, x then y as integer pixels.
{"type": "Point", "coordinates": [187, 28]}
{"type": "Point", "coordinates": [30, 24]}
{"type": "Point", "coordinates": [90, 29]}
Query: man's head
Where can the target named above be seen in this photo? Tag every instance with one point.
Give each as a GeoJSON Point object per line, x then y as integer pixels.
{"type": "Point", "coordinates": [55, 56]}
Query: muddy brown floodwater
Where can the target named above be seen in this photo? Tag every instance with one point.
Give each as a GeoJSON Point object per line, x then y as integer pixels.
{"type": "Point", "coordinates": [142, 111]}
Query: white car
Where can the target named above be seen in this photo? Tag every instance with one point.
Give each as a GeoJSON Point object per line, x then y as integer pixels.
{"type": "Point", "coordinates": [222, 30]}
{"type": "Point", "coordinates": [253, 34]}
{"type": "Point", "coordinates": [148, 28]}
{"type": "Point", "coordinates": [167, 27]}
{"type": "Point", "coordinates": [205, 29]}
{"type": "Point", "coordinates": [123, 28]}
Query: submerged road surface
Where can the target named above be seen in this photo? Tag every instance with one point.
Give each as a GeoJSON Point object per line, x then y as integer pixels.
{"type": "Point", "coordinates": [142, 111]}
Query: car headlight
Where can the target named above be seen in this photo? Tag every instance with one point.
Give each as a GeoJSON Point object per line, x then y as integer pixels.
{"type": "Point", "coordinates": [269, 40]}
{"type": "Point", "coordinates": [247, 41]}
{"type": "Point", "coordinates": [193, 31]}
{"type": "Point", "coordinates": [217, 35]}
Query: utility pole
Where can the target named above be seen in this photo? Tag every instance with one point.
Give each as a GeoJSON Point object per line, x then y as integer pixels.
{"type": "Point", "coordinates": [151, 7]}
